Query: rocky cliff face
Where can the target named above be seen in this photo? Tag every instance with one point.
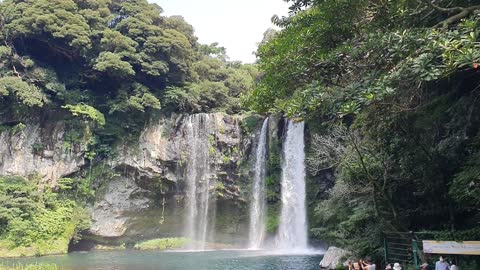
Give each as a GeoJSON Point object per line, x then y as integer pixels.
{"type": "Point", "coordinates": [145, 195]}
{"type": "Point", "coordinates": [37, 149]}
{"type": "Point", "coordinates": [147, 198]}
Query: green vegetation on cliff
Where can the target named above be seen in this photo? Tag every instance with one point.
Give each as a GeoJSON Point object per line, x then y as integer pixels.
{"type": "Point", "coordinates": [112, 62]}
{"type": "Point", "coordinates": [104, 68]}
{"type": "Point", "coordinates": [390, 92]}
{"type": "Point", "coordinates": [36, 220]}
{"type": "Point", "coordinates": [162, 244]}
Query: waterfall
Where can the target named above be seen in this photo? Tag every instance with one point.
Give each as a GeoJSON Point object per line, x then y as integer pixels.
{"type": "Point", "coordinates": [292, 231]}
{"type": "Point", "coordinates": [258, 204]}
{"type": "Point", "coordinates": [198, 179]}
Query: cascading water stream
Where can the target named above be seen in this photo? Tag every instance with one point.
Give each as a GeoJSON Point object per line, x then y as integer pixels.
{"type": "Point", "coordinates": [258, 204]}
{"type": "Point", "coordinates": [198, 180]}
{"type": "Point", "coordinates": [292, 231]}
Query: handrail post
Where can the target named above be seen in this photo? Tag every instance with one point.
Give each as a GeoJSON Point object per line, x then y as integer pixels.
{"type": "Point", "coordinates": [385, 247]}
{"type": "Point", "coordinates": [415, 253]}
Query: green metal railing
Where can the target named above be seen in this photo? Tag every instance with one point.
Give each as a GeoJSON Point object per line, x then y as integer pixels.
{"type": "Point", "coordinates": [402, 247]}
{"type": "Point", "coordinates": [407, 248]}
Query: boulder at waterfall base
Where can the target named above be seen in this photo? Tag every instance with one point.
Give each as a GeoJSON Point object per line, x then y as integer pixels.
{"type": "Point", "coordinates": [334, 256]}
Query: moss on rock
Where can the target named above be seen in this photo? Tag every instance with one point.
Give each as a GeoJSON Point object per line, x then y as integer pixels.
{"type": "Point", "coordinates": [163, 244]}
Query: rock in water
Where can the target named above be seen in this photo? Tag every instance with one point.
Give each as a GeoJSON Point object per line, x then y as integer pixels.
{"type": "Point", "coordinates": [333, 257]}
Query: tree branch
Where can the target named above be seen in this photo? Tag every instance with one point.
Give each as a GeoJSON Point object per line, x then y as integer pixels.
{"type": "Point", "coordinates": [460, 12]}
{"type": "Point", "coordinates": [16, 72]}
{"type": "Point", "coordinates": [442, 9]}
{"type": "Point", "coordinates": [465, 12]}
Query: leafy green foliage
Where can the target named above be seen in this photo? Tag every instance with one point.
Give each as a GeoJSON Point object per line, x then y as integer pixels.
{"type": "Point", "coordinates": [113, 64]}
{"type": "Point", "coordinates": [28, 94]}
{"type": "Point", "coordinates": [122, 59]}
{"type": "Point", "coordinates": [318, 62]}
{"type": "Point", "coordinates": [36, 221]}
{"type": "Point", "coordinates": [273, 220]}
{"type": "Point", "coordinates": [218, 86]}
{"type": "Point", "coordinates": [465, 188]}
{"type": "Point", "coordinates": [401, 78]}
{"type": "Point", "coordinates": [58, 19]}
{"type": "Point", "coordinates": [250, 123]}
{"type": "Point", "coordinates": [86, 111]}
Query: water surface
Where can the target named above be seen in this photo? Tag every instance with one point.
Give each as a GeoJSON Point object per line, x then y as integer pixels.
{"type": "Point", "coordinates": [153, 260]}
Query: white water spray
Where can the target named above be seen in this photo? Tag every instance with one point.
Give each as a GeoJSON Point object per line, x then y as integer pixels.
{"type": "Point", "coordinates": [292, 232]}
{"type": "Point", "coordinates": [258, 204]}
{"type": "Point", "coordinates": [198, 180]}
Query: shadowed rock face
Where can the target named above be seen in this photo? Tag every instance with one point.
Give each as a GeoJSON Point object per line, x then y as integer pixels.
{"type": "Point", "coordinates": [122, 195]}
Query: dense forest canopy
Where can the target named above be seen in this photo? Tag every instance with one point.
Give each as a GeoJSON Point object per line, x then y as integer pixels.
{"type": "Point", "coordinates": [104, 68]}
{"type": "Point", "coordinates": [390, 90]}
{"type": "Point", "coordinates": [117, 58]}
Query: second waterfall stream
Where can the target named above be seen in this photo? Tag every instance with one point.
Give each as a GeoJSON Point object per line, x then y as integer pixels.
{"type": "Point", "coordinates": [292, 231]}
{"type": "Point", "coordinates": [258, 205]}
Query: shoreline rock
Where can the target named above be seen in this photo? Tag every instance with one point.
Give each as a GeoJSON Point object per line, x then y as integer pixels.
{"type": "Point", "coordinates": [334, 257]}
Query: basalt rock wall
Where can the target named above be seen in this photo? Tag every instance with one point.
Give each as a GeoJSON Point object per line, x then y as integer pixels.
{"type": "Point", "coordinates": [144, 195]}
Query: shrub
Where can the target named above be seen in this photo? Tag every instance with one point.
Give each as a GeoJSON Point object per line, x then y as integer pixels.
{"type": "Point", "coordinates": [36, 222]}
{"type": "Point", "coordinates": [249, 123]}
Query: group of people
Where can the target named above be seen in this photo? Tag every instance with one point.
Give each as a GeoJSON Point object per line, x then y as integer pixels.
{"type": "Point", "coordinates": [396, 266]}
{"type": "Point", "coordinates": [362, 265]}
{"type": "Point", "coordinates": [441, 264]}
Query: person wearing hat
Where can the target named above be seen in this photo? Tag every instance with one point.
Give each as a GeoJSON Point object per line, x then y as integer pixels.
{"type": "Point", "coordinates": [396, 266]}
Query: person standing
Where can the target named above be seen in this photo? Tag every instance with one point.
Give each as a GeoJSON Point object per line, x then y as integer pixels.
{"type": "Point", "coordinates": [353, 266]}
{"type": "Point", "coordinates": [397, 266]}
{"type": "Point", "coordinates": [367, 264]}
{"type": "Point", "coordinates": [442, 264]}
{"type": "Point", "coordinates": [453, 266]}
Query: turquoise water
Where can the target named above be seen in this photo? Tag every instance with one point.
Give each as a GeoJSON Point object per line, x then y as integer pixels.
{"type": "Point", "coordinates": [152, 260]}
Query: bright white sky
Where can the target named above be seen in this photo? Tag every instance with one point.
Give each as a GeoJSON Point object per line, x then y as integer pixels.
{"type": "Point", "coordinates": [237, 25]}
